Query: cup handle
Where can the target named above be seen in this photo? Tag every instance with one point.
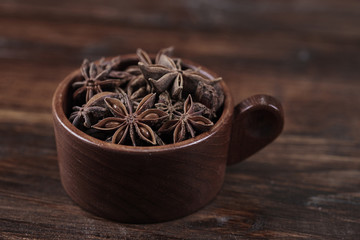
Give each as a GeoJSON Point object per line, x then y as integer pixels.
{"type": "Point", "coordinates": [257, 121]}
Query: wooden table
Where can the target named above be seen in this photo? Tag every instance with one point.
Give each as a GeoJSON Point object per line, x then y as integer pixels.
{"type": "Point", "coordinates": [305, 185]}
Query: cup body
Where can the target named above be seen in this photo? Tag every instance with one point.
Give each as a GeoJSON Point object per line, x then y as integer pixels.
{"type": "Point", "coordinates": [140, 184]}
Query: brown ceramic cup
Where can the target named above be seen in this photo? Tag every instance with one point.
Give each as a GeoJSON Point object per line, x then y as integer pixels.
{"type": "Point", "coordinates": [158, 183]}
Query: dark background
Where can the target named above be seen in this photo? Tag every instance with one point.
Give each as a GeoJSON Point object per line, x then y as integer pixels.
{"type": "Point", "coordinates": [306, 53]}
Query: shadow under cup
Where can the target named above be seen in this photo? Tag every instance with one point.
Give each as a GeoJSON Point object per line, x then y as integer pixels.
{"type": "Point", "coordinates": [140, 184]}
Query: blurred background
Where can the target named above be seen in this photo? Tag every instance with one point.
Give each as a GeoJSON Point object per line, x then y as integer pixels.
{"type": "Point", "coordinates": [276, 47]}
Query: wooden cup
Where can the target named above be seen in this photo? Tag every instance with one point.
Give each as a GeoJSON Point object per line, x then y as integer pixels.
{"type": "Point", "coordinates": [158, 183]}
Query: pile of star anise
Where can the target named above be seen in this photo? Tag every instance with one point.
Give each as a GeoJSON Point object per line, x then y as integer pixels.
{"type": "Point", "coordinates": [146, 103]}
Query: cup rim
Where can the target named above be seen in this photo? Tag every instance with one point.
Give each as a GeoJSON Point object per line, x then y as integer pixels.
{"type": "Point", "coordinates": [60, 116]}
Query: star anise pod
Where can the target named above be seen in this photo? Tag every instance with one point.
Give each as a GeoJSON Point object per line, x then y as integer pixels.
{"type": "Point", "coordinates": [113, 64]}
{"type": "Point", "coordinates": [205, 111]}
{"type": "Point", "coordinates": [166, 104]}
{"type": "Point", "coordinates": [145, 58]}
{"type": "Point", "coordinates": [165, 51]}
{"type": "Point", "coordinates": [205, 89]}
{"type": "Point", "coordinates": [82, 115]}
{"type": "Point", "coordinates": [134, 124]}
{"type": "Point", "coordinates": [93, 110]}
{"type": "Point", "coordinates": [94, 81]}
{"type": "Point", "coordinates": [168, 74]}
{"type": "Point", "coordinates": [123, 77]}
{"type": "Point", "coordinates": [129, 117]}
{"type": "Point", "coordinates": [189, 122]}
{"type": "Point", "coordinates": [211, 96]}
{"type": "Point", "coordinates": [133, 70]}
{"type": "Point", "coordinates": [164, 75]}
{"type": "Point", "coordinates": [108, 64]}
{"type": "Point", "coordinates": [137, 88]}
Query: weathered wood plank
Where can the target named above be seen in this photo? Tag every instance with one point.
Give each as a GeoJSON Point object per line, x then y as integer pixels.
{"type": "Point", "coordinates": [329, 16]}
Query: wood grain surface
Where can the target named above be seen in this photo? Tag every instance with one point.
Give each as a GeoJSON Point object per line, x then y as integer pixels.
{"type": "Point", "coordinates": [305, 185]}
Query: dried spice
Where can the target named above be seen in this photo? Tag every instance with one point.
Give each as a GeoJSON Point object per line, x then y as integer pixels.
{"type": "Point", "coordinates": [143, 104]}
{"type": "Point", "coordinates": [95, 79]}
{"type": "Point", "coordinates": [189, 122]}
{"type": "Point", "coordinates": [168, 75]}
{"type": "Point", "coordinates": [131, 123]}
{"type": "Point", "coordinates": [166, 104]}
{"type": "Point", "coordinates": [82, 115]}
{"type": "Point", "coordinates": [93, 110]}
{"type": "Point", "coordinates": [137, 88]}
{"type": "Point", "coordinates": [205, 111]}
{"type": "Point", "coordinates": [108, 64]}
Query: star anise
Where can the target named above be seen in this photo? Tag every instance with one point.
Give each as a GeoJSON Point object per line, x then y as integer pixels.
{"type": "Point", "coordinates": [94, 81]}
{"type": "Point", "coordinates": [145, 58]}
{"type": "Point", "coordinates": [166, 104]}
{"type": "Point", "coordinates": [205, 111]}
{"type": "Point", "coordinates": [133, 70]}
{"type": "Point", "coordinates": [165, 51]}
{"type": "Point", "coordinates": [130, 123]}
{"type": "Point", "coordinates": [167, 73]}
{"type": "Point", "coordinates": [115, 100]}
{"type": "Point", "coordinates": [210, 95]}
{"type": "Point", "coordinates": [189, 122]}
{"type": "Point", "coordinates": [137, 88]}
{"type": "Point", "coordinates": [108, 63]}
{"type": "Point", "coordinates": [93, 110]}
{"type": "Point", "coordinates": [82, 115]}
{"type": "Point", "coordinates": [164, 75]}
